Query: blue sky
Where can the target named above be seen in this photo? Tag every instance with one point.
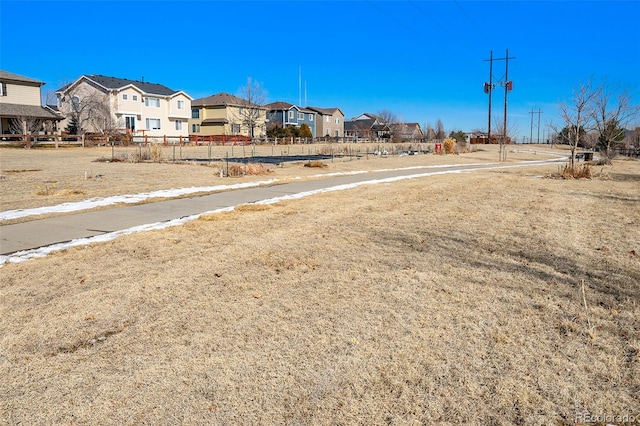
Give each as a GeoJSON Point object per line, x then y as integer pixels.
{"type": "Point", "coordinates": [421, 60]}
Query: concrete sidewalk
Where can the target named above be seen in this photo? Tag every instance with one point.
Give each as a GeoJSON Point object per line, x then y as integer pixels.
{"type": "Point", "coordinates": [45, 232]}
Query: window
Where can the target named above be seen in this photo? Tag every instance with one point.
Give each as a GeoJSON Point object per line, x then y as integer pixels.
{"type": "Point", "coordinates": [337, 120]}
{"type": "Point", "coordinates": [152, 102]}
{"type": "Point", "coordinates": [328, 120]}
{"type": "Point", "coordinates": [195, 113]}
{"type": "Point", "coordinates": [124, 96]}
{"type": "Point", "coordinates": [235, 128]}
{"type": "Point", "coordinates": [310, 117]}
{"type": "Point", "coordinates": [3, 89]}
{"type": "Point", "coordinates": [180, 105]}
{"type": "Point", "coordinates": [153, 123]}
{"type": "Point", "coordinates": [241, 111]}
{"type": "Point", "coordinates": [135, 97]}
{"type": "Point", "coordinates": [300, 116]}
{"type": "Point", "coordinates": [195, 128]}
{"type": "Point", "coordinates": [178, 125]}
{"type": "Point", "coordinates": [291, 115]}
{"type": "Point", "coordinates": [75, 103]}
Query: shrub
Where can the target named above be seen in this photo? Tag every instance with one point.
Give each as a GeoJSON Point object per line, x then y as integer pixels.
{"type": "Point", "coordinates": [449, 145]}
{"type": "Point", "coordinates": [315, 163]}
{"type": "Point", "coordinates": [576, 172]}
{"type": "Point", "coordinates": [155, 153]}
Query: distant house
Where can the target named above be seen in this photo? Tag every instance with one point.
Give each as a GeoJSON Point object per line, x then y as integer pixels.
{"type": "Point", "coordinates": [285, 114]}
{"type": "Point", "coordinates": [329, 121]}
{"type": "Point", "coordinates": [406, 132]}
{"type": "Point", "coordinates": [225, 114]}
{"type": "Point", "coordinates": [98, 104]}
{"type": "Point", "coordinates": [366, 126]}
{"type": "Point", "coordinates": [21, 109]}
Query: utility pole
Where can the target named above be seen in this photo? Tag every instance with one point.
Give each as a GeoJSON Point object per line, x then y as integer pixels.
{"type": "Point", "coordinates": [508, 86]}
{"type": "Point", "coordinates": [488, 88]}
{"type": "Point", "coordinates": [531, 134]}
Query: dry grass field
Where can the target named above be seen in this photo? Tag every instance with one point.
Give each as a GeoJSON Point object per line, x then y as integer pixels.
{"type": "Point", "coordinates": [493, 297]}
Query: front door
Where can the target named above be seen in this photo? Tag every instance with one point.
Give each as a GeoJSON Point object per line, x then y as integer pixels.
{"type": "Point", "coordinates": [130, 123]}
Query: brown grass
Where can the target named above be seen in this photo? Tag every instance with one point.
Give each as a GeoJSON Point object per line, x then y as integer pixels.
{"type": "Point", "coordinates": [487, 298]}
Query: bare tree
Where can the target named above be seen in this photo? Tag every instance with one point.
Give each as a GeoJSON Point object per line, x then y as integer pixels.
{"type": "Point", "coordinates": [252, 113]}
{"type": "Point", "coordinates": [612, 110]}
{"type": "Point", "coordinates": [439, 131]}
{"type": "Point", "coordinates": [89, 110]}
{"type": "Point", "coordinates": [25, 125]}
{"type": "Point", "coordinates": [391, 121]}
{"type": "Point", "coordinates": [576, 114]}
{"type": "Point", "coordinates": [429, 133]}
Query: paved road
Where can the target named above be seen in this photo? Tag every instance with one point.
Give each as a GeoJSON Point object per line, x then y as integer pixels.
{"type": "Point", "coordinates": [45, 232]}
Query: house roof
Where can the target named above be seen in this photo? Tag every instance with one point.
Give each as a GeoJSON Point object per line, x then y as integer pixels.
{"type": "Point", "coordinates": [367, 116]}
{"type": "Point", "coordinates": [9, 76]}
{"type": "Point", "coordinates": [279, 105]}
{"type": "Point", "coordinates": [115, 83]}
{"type": "Point", "coordinates": [325, 111]}
{"type": "Point", "coordinates": [221, 98]}
{"type": "Point", "coordinates": [34, 111]}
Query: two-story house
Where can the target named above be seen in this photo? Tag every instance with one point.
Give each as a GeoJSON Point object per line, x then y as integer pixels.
{"type": "Point", "coordinates": [329, 122]}
{"type": "Point", "coordinates": [366, 126]}
{"type": "Point", "coordinates": [285, 114]}
{"type": "Point", "coordinates": [98, 104]}
{"type": "Point", "coordinates": [225, 114]}
{"type": "Point", "coordinates": [21, 109]}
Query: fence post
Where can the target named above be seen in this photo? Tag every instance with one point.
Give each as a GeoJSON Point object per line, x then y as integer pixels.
{"type": "Point", "coordinates": [165, 139]}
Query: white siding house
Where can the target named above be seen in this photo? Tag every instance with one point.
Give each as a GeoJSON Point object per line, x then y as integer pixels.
{"type": "Point", "coordinates": [142, 108]}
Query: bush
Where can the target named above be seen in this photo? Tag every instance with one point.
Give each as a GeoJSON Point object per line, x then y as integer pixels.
{"type": "Point", "coordinates": [449, 145]}
{"type": "Point", "coordinates": [576, 172]}
{"type": "Point", "coordinates": [155, 153]}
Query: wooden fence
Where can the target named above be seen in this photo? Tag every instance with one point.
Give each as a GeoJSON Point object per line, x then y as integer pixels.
{"type": "Point", "coordinates": [42, 140]}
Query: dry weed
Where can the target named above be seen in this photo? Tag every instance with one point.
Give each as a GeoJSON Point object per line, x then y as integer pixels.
{"type": "Point", "coordinates": [577, 171]}
{"type": "Point", "coordinates": [155, 153]}
{"type": "Point", "coordinates": [315, 163]}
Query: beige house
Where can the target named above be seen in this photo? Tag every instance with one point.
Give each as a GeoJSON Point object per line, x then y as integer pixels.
{"type": "Point", "coordinates": [100, 104]}
{"type": "Point", "coordinates": [21, 110]}
{"type": "Point", "coordinates": [225, 114]}
{"type": "Point", "coordinates": [329, 122]}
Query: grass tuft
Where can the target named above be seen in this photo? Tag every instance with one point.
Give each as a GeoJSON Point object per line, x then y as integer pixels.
{"type": "Point", "coordinates": [315, 163]}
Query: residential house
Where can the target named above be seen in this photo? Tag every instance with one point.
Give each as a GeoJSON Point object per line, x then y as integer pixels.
{"type": "Point", "coordinates": [98, 103]}
{"type": "Point", "coordinates": [21, 109]}
{"type": "Point", "coordinates": [366, 126]}
{"type": "Point", "coordinates": [406, 132]}
{"type": "Point", "coordinates": [329, 122]}
{"type": "Point", "coordinates": [225, 114]}
{"type": "Point", "coordinates": [285, 114]}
